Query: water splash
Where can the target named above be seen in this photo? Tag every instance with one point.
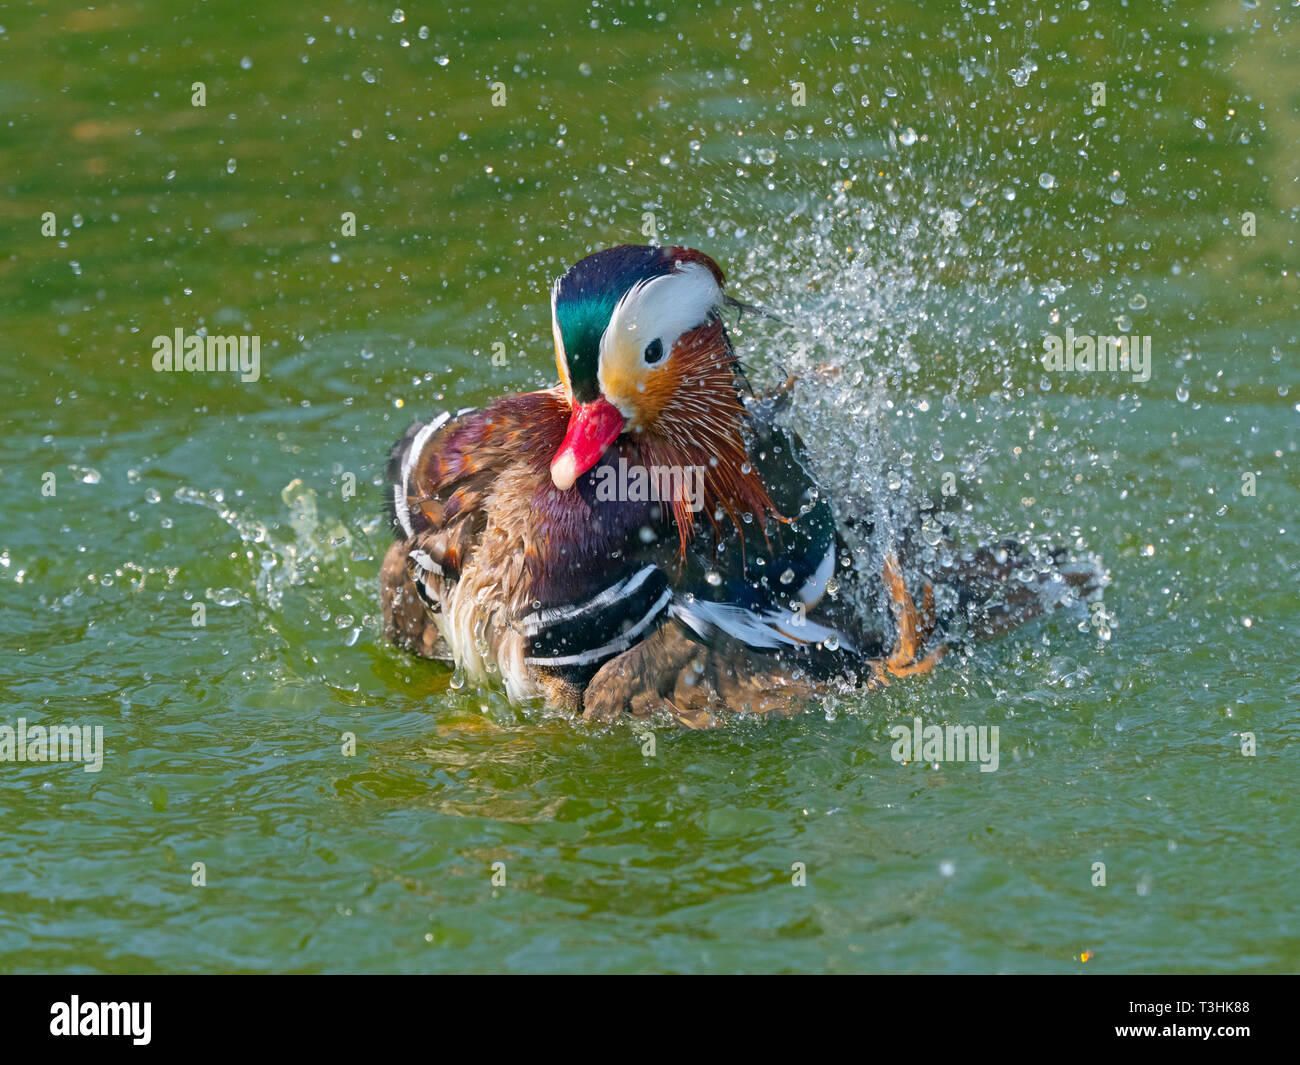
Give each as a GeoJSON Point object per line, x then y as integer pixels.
{"type": "Point", "coordinates": [908, 343]}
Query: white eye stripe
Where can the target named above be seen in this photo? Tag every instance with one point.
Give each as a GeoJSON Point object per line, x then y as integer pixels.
{"type": "Point", "coordinates": [662, 308]}
{"type": "Point", "coordinates": [561, 356]}
{"type": "Point", "coordinates": [555, 319]}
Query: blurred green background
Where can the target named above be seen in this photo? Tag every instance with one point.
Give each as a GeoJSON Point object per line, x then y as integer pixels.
{"type": "Point", "coordinates": [947, 193]}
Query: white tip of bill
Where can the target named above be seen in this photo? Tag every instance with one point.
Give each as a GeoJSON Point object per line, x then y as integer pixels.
{"type": "Point", "coordinates": [564, 471]}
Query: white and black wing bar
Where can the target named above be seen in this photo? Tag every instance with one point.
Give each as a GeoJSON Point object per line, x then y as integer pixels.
{"type": "Point", "coordinates": [607, 624]}
{"type": "Point", "coordinates": [767, 628]}
{"type": "Point", "coordinates": [760, 629]}
{"type": "Point", "coordinates": [406, 460]}
{"type": "Point", "coordinates": [420, 566]}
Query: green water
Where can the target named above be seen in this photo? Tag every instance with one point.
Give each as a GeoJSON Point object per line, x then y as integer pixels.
{"type": "Point", "coordinates": [224, 742]}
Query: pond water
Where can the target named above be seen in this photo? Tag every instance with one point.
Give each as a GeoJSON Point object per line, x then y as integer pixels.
{"type": "Point", "coordinates": [923, 192]}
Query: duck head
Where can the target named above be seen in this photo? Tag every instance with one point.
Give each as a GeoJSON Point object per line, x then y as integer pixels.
{"type": "Point", "coordinates": [641, 348]}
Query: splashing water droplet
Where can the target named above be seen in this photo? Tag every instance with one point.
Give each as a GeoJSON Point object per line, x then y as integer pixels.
{"type": "Point", "coordinates": [1022, 73]}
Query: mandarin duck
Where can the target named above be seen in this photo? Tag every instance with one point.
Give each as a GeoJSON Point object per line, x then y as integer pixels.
{"type": "Point", "coordinates": [645, 537]}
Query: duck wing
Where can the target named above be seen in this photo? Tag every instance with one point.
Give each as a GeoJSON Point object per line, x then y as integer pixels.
{"type": "Point", "coordinates": [495, 568]}
{"type": "Point", "coordinates": [750, 627]}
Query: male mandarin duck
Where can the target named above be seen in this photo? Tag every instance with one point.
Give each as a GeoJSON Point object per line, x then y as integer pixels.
{"type": "Point", "coordinates": [644, 537]}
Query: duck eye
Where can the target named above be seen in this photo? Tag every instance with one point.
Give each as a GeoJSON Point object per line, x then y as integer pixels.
{"type": "Point", "coordinates": [654, 351]}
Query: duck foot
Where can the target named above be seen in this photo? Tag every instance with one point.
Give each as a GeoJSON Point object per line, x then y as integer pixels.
{"type": "Point", "coordinates": [914, 629]}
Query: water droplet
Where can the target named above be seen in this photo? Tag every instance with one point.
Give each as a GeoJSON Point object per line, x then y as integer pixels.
{"type": "Point", "coordinates": [398, 15]}
{"type": "Point", "coordinates": [908, 137]}
{"type": "Point", "coordinates": [1021, 74]}
{"type": "Point", "coordinates": [713, 577]}
{"type": "Point", "coordinates": [1117, 196]}
{"type": "Point", "coordinates": [832, 642]}
{"type": "Point", "coordinates": [1046, 180]}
